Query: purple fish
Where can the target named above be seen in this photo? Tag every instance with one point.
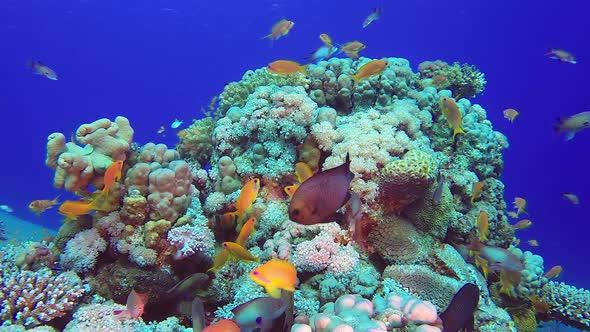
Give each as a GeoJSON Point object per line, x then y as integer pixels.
{"type": "Point", "coordinates": [320, 196]}
{"type": "Point", "coordinates": [459, 314]}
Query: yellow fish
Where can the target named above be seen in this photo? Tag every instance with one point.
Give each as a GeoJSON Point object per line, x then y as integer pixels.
{"type": "Point", "coordinates": [219, 260]}
{"type": "Point", "coordinates": [352, 49]}
{"type": "Point", "coordinates": [554, 272]}
{"type": "Point", "coordinates": [327, 41]}
{"type": "Point", "coordinates": [239, 252]}
{"type": "Point", "coordinates": [454, 117]}
{"type": "Point", "coordinates": [275, 275]}
{"type": "Point", "coordinates": [533, 243]}
{"type": "Point", "coordinates": [476, 190]}
{"type": "Point", "coordinates": [572, 198]}
{"type": "Point", "coordinates": [483, 225]}
{"type": "Point", "coordinates": [510, 114]}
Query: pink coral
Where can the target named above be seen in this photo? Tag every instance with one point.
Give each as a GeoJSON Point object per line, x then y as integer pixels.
{"type": "Point", "coordinates": [81, 252]}
{"type": "Point", "coordinates": [165, 180]}
{"type": "Point", "coordinates": [190, 240]}
{"type": "Point", "coordinates": [322, 253]}
{"type": "Point", "coordinates": [76, 167]}
{"type": "Point", "coordinates": [33, 298]}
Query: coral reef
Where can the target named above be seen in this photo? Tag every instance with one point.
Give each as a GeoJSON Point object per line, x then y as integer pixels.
{"type": "Point", "coordinates": [393, 265]}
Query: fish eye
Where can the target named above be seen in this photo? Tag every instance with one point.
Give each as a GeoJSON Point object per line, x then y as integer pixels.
{"type": "Point", "coordinates": [259, 320]}
{"type": "Point", "coordinates": [255, 273]}
{"type": "Point", "coordinates": [295, 212]}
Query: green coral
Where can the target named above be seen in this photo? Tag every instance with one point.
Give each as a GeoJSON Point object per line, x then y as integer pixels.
{"type": "Point", "coordinates": [430, 217]}
{"type": "Point", "coordinates": [197, 142]}
{"type": "Point", "coordinates": [463, 79]}
{"type": "Point", "coordinates": [236, 93]}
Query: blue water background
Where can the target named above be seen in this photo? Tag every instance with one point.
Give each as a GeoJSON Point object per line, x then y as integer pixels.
{"type": "Point", "coordinates": [153, 61]}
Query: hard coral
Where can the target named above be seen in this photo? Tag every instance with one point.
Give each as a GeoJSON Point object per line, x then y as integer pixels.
{"type": "Point", "coordinates": [33, 298]}
{"type": "Point", "coordinates": [430, 217]}
{"type": "Point", "coordinates": [397, 241]}
{"type": "Point", "coordinates": [236, 93]}
{"type": "Point", "coordinates": [197, 142]}
{"type": "Point", "coordinates": [568, 304]}
{"type": "Point", "coordinates": [401, 182]}
{"type": "Point", "coordinates": [262, 140]}
{"type": "Point", "coordinates": [463, 79]}
{"type": "Point", "coordinates": [76, 167]}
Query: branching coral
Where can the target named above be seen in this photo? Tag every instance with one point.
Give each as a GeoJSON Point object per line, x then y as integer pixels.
{"type": "Point", "coordinates": [568, 304]}
{"type": "Point", "coordinates": [81, 252]}
{"type": "Point", "coordinates": [33, 298]}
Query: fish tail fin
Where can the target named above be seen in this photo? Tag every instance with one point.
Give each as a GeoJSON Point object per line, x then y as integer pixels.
{"type": "Point", "coordinates": [458, 130]}
{"type": "Point", "coordinates": [55, 200]}
{"type": "Point", "coordinates": [570, 135]}
{"type": "Point", "coordinates": [273, 291]}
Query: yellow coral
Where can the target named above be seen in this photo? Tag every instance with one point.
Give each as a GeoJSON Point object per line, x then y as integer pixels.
{"type": "Point", "coordinates": [403, 181]}
{"type": "Point", "coordinates": [524, 318]}
{"type": "Point", "coordinates": [155, 229]}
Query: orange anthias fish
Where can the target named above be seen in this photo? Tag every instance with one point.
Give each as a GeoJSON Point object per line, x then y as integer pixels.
{"type": "Point", "coordinates": [554, 272]}
{"type": "Point", "coordinates": [374, 16]}
{"type": "Point", "coordinates": [73, 209]}
{"type": "Point", "coordinates": [224, 325]}
{"type": "Point", "coordinates": [246, 231]}
{"type": "Point", "coordinates": [572, 198]}
{"type": "Point", "coordinates": [561, 55]}
{"type": "Point", "coordinates": [39, 206]}
{"type": "Point", "coordinates": [275, 275]}
{"type": "Point", "coordinates": [510, 114]}
{"type": "Point", "coordinates": [111, 175]}
{"type": "Point", "coordinates": [286, 67]}
{"type": "Point", "coordinates": [328, 42]}
{"type": "Point", "coordinates": [483, 223]}
{"type": "Point", "coordinates": [302, 173]}
{"type": "Point", "coordinates": [454, 117]}
{"type": "Point", "coordinates": [520, 204]}
{"type": "Point", "coordinates": [135, 304]}
{"type": "Point", "coordinates": [246, 199]}
{"type": "Point", "coordinates": [280, 29]}
{"type": "Point", "coordinates": [369, 69]}
{"type": "Point", "coordinates": [239, 252]}
{"type": "Point", "coordinates": [319, 197]}
{"type": "Point", "coordinates": [41, 69]}
{"type": "Point", "coordinates": [352, 49]}
{"type": "Point", "coordinates": [533, 243]}
{"type": "Point", "coordinates": [476, 190]}
{"type": "Point", "coordinates": [523, 224]}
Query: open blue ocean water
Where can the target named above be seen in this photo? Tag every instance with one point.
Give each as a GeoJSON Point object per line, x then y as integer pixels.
{"type": "Point", "coordinates": [154, 61]}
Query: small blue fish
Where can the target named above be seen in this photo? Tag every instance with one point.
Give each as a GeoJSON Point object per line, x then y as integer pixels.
{"type": "Point", "coordinates": [323, 53]}
{"type": "Point", "coordinates": [176, 123]}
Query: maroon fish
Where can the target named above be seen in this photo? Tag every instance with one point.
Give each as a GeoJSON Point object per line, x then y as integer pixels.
{"type": "Point", "coordinates": [319, 197]}
{"type": "Point", "coordinates": [459, 314]}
